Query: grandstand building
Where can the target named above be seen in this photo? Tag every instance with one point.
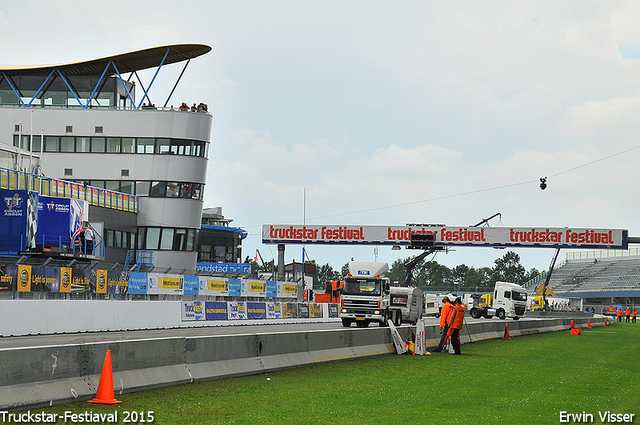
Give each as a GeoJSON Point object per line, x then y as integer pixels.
{"type": "Point", "coordinates": [89, 123]}
{"type": "Point", "coordinates": [599, 280]}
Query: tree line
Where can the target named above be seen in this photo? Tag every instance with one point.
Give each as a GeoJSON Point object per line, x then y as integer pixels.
{"type": "Point", "coordinates": [430, 276]}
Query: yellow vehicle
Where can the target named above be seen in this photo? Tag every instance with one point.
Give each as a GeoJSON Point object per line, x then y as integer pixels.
{"type": "Point", "coordinates": [536, 303]}
{"type": "Point", "coordinates": [486, 300]}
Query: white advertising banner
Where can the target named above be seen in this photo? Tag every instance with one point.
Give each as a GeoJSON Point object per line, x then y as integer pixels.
{"type": "Point", "coordinates": [210, 285]}
{"type": "Point", "coordinates": [287, 290]}
{"type": "Point", "coordinates": [237, 310]}
{"type": "Point", "coordinates": [192, 310]}
{"type": "Point", "coordinates": [168, 284]}
{"type": "Point", "coordinates": [255, 288]}
{"type": "Point", "coordinates": [274, 310]}
{"type": "Point", "coordinates": [549, 237]}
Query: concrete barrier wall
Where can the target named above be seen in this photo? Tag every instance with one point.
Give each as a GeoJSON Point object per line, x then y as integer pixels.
{"type": "Point", "coordinates": [41, 376]}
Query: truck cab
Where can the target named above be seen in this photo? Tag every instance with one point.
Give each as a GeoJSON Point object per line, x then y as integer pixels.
{"type": "Point", "coordinates": [365, 296]}
{"type": "Point", "coordinates": [509, 300]}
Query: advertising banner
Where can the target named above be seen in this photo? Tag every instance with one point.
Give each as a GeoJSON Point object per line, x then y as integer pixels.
{"type": "Point", "coordinates": [23, 278]}
{"type": "Point", "coordinates": [45, 279]}
{"type": "Point", "coordinates": [303, 311]}
{"type": "Point", "coordinates": [549, 237]}
{"type": "Point", "coordinates": [158, 283]}
{"type": "Point", "coordinates": [66, 277]}
{"type": "Point", "coordinates": [216, 286]}
{"type": "Point", "coordinates": [117, 282]}
{"type": "Point", "coordinates": [224, 268]}
{"type": "Point", "coordinates": [274, 310]}
{"type": "Point", "coordinates": [287, 290]}
{"type": "Point", "coordinates": [101, 282]}
{"type": "Point", "coordinates": [237, 310]}
{"type": "Point", "coordinates": [333, 310]}
{"type": "Point", "coordinates": [137, 283]}
{"type": "Point", "coordinates": [192, 311]}
{"type": "Point", "coordinates": [13, 231]}
{"type": "Point", "coordinates": [271, 289]}
{"type": "Point", "coordinates": [289, 310]}
{"type": "Point", "coordinates": [235, 287]}
{"type": "Point", "coordinates": [256, 288]}
{"type": "Point", "coordinates": [215, 310]}
{"type": "Point", "coordinates": [256, 310]}
{"type": "Point", "coordinates": [80, 282]}
{"type": "Point", "coordinates": [315, 310]}
{"type": "Point", "coordinates": [60, 219]}
{"type": "Point", "coordinates": [6, 279]}
{"type": "Point", "coordinates": [191, 285]}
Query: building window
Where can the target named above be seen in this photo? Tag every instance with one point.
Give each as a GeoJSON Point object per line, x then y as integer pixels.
{"type": "Point", "coordinates": [113, 144]}
{"type": "Point", "coordinates": [67, 144]}
{"type": "Point", "coordinates": [124, 173]}
{"type": "Point", "coordinates": [98, 129]}
{"type": "Point", "coordinates": [51, 144]}
{"type": "Point", "coordinates": [83, 144]}
{"type": "Point", "coordinates": [146, 145]}
{"type": "Point", "coordinates": [97, 144]}
{"type": "Point", "coordinates": [166, 238]}
{"type": "Point", "coordinates": [69, 129]}
{"type": "Point", "coordinates": [68, 171]}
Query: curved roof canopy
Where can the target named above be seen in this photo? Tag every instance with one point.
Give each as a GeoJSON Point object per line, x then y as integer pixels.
{"type": "Point", "coordinates": [125, 62]}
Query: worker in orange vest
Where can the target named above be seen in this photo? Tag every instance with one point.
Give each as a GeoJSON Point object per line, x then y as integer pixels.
{"type": "Point", "coordinates": [620, 315]}
{"type": "Point", "coordinates": [635, 313]}
{"type": "Point", "coordinates": [445, 315]}
{"type": "Point", "coordinates": [455, 324]}
{"type": "Point", "coordinates": [627, 313]}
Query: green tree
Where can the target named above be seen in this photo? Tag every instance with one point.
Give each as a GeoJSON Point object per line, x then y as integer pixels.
{"type": "Point", "coordinates": [325, 274]}
{"type": "Point", "coordinates": [256, 269]}
{"type": "Point", "coordinates": [508, 269]}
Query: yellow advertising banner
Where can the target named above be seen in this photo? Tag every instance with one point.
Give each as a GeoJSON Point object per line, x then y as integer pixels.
{"type": "Point", "coordinates": [289, 288]}
{"type": "Point", "coordinates": [315, 310]}
{"type": "Point", "coordinates": [217, 285]}
{"type": "Point", "coordinates": [24, 278]}
{"type": "Point", "coordinates": [65, 279]}
{"type": "Point", "coordinates": [169, 283]}
{"type": "Point", "coordinates": [256, 286]}
{"type": "Point", "coordinates": [101, 281]}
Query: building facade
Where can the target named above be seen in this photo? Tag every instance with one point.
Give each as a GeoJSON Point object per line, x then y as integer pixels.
{"type": "Point", "coordinates": [85, 123]}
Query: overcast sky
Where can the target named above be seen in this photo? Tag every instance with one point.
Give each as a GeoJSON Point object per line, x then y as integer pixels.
{"type": "Point", "coordinates": [387, 112]}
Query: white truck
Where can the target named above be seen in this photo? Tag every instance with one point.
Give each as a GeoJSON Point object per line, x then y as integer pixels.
{"type": "Point", "coordinates": [509, 300]}
{"type": "Point", "coordinates": [432, 305]}
{"type": "Point", "coordinates": [409, 300]}
{"type": "Point", "coordinates": [365, 296]}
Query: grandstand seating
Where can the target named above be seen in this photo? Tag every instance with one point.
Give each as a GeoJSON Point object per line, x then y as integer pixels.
{"type": "Point", "coordinates": [595, 275]}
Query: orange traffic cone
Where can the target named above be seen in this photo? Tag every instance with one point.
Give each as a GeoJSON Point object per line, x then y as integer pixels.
{"type": "Point", "coordinates": [571, 326]}
{"type": "Point", "coordinates": [605, 322]}
{"type": "Point", "coordinates": [589, 324]}
{"type": "Point", "coordinates": [506, 332]}
{"type": "Point", "coordinates": [105, 386]}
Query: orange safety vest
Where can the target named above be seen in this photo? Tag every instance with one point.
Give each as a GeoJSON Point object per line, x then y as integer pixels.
{"type": "Point", "coordinates": [635, 313]}
{"type": "Point", "coordinates": [628, 312]}
{"type": "Point", "coordinates": [445, 314]}
{"type": "Point", "coordinates": [458, 320]}
{"type": "Point", "coordinates": [620, 313]}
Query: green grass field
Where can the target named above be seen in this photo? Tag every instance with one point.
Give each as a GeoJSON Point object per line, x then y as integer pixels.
{"type": "Point", "coordinates": [525, 380]}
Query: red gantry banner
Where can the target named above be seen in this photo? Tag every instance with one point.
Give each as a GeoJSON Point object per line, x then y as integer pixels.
{"type": "Point", "coordinates": [540, 237]}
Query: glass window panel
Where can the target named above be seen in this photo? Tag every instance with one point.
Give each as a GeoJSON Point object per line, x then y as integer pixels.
{"type": "Point", "coordinates": [163, 146]}
{"type": "Point", "coordinates": [142, 188]}
{"type": "Point", "coordinates": [158, 189]}
{"type": "Point", "coordinates": [126, 186]}
{"type": "Point", "coordinates": [167, 239]}
{"type": "Point", "coordinates": [35, 145]}
{"type": "Point", "coordinates": [83, 144]}
{"type": "Point", "coordinates": [117, 239]}
{"type": "Point", "coordinates": [51, 144]}
{"type": "Point", "coordinates": [145, 145]}
{"type": "Point", "coordinates": [97, 144]}
{"type": "Point", "coordinates": [67, 144]}
{"type": "Point", "coordinates": [173, 190]}
{"type": "Point", "coordinates": [109, 236]}
{"type": "Point", "coordinates": [97, 183]}
{"type": "Point", "coordinates": [113, 144]}
{"type": "Point", "coordinates": [112, 185]}
{"type": "Point", "coordinates": [25, 142]}
{"type": "Point", "coordinates": [128, 144]}
{"type": "Point", "coordinates": [153, 238]}
{"type": "Point", "coordinates": [142, 237]}
{"type": "Point", "coordinates": [191, 238]}
{"type": "Point", "coordinates": [187, 149]}
{"type": "Point", "coordinates": [180, 240]}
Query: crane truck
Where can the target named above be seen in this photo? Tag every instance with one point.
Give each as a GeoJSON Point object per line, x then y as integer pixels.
{"type": "Point", "coordinates": [509, 300]}
{"type": "Point", "coordinates": [366, 296]}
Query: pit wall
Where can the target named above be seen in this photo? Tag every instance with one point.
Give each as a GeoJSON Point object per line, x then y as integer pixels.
{"type": "Point", "coordinates": [39, 317]}
{"type": "Point", "coordinates": [47, 375]}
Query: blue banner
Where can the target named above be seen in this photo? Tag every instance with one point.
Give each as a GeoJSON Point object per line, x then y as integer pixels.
{"type": "Point", "coordinates": [256, 310]}
{"type": "Point", "coordinates": [224, 268]}
{"type": "Point", "coordinates": [13, 220]}
{"type": "Point", "coordinates": [235, 288]}
{"type": "Point", "coordinates": [137, 283]}
{"type": "Point", "coordinates": [215, 310]}
{"type": "Point", "coordinates": [190, 285]}
{"type": "Point", "coordinates": [271, 289]}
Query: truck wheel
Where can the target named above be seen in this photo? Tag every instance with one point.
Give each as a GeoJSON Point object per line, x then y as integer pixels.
{"type": "Point", "coordinates": [346, 323]}
{"type": "Point", "coordinates": [474, 313]}
{"type": "Point", "coordinates": [398, 318]}
{"type": "Point", "coordinates": [501, 314]}
{"type": "Point", "coordinates": [385, 318]}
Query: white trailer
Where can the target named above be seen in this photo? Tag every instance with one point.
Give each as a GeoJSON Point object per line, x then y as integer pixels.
{"type": "Point", "coordinates": [509, 300]}
{"type": "Point", "coordinates": [410, 301]}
